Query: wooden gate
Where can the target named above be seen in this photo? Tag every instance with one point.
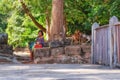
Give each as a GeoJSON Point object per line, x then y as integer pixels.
{"type": "Point", "coordinates": [101, 44]}
{"type": "Point", "coordinates": [116, 33]}
{"type": "Point", "coordinates": [106, 43]}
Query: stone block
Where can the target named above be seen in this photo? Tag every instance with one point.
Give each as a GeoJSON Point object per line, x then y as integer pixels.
{"type": "Point", "coordinates": [46, 44]}
{"type": "Point", "coordinates": [64, 59]}
{"type": "Point", "coordinates": [56, 43]}
{"type": "Point", "coordinates": [44, 60]}
{"type": "Point", "coordinates": [73, 50]}
{"type": "Point", "coordinates": [68, 41]}
{"type": "Point", "coordinates": [86, 48]}
{"type": "Point", "coordinates": [41, 52]}
{"type": "Point", "coordinates": [61, 59]}
{"type": "Point", "coordinates": [57, 51]}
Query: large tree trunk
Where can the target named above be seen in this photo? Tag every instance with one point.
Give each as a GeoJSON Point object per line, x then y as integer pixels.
{"type": "Point", "coordinates": [31, 16]}
{"type": "Point", "coordinates": [57, 26]}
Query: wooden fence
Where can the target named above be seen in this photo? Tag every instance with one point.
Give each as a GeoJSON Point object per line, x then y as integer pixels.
{"type": "Point", "coordinates": [106, 43]}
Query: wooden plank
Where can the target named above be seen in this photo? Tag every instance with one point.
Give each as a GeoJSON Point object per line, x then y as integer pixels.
{"type": "Point", "coordinates": [102, 27]}
{"type": "Point", "coordinates": [104, 54]}
{"type": "Point", "coordinates": [104, 46]}
{"type": "Point", "coordinates": [118, 47]}
{"type": "Point", "coordinates": [99, 47]}
{"type": "Point", "coordinates": [108, 47]}
{"type": "Point", "coordinates": [112, 21]}
{"type": "Point", "coordinates": [115, 45]}
{"type": "Point", "coordinates": [107, 57]}
{"type": "Point", "coordinates": [94, 26]}
{"type": "Point", "coordinates": [117, 24]}
{"type": "Point", "coordinates": [117, 36]}
{"type": "Point", "coordinates": [96, 47]}
{"type": "Point", "coordinates": [108, 60]}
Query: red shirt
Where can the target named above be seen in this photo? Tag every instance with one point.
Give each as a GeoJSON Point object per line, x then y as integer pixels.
{"type": "Point", "coordinates": [38, 46]}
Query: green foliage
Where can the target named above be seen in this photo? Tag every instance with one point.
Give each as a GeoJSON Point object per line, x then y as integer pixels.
{"type": "Point", "coordinates": [20, 28]}
{"type": "Point", "coordinates": [79, 14]}
{"type": "Point", "coordinates": [3, 23]}
{"type": "Point", "coordinates": [115, 8]}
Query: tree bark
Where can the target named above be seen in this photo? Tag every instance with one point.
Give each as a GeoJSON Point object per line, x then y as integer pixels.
{"type": "Point", "coordinates": [31, 16]}
{"type": "Point", "coordinates": [65, 25]}
{"type": "Point", "coordinates": [57, 24]}
{"type": "Point", "coordinates": [47, 25]}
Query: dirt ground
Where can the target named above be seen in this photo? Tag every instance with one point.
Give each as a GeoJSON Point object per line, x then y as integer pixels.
{"type": "Point", "coordinates": [57, 72]}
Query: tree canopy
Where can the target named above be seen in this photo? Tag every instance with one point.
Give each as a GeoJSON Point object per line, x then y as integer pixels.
{"type": "Point", "coordinates": [78, 14]}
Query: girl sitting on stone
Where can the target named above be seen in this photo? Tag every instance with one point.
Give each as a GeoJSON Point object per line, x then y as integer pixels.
{"type": "Point", "coordinates": [39, 43]}
{"type": "Point", "coordinates": [39, 40]}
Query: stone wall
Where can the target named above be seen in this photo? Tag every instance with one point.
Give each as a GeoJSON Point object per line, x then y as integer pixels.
{"type": "Point", "coordinates": [67, 55]}
{"type": "Point", "coordinates": [6, 51]}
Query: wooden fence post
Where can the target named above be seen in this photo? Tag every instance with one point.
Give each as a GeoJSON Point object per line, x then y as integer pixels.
{"type": "Point", "coordinates": [112, 41]}
{"type": "Point", "coordinates": [94, 26]}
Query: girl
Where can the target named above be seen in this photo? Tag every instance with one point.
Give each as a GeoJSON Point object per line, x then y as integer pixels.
{"type": "Point", "coordinates": [39, 40]}
{"type": "Point", "coordinates": [39, 43]}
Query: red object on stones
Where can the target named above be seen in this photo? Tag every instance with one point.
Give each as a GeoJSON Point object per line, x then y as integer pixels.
{"type": "Point", "coordinates": [38, 46]}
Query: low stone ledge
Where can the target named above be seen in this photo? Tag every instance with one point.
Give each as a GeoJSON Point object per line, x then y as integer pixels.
{"type": "Point", "coordinates": [74, 54]}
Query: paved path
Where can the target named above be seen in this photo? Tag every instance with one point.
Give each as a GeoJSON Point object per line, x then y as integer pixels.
{"type": "Point", "coordinates": [57, 72]}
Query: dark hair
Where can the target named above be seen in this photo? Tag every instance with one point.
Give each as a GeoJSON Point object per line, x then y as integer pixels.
{"type": "Point", "coordinates": [41, 32]}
